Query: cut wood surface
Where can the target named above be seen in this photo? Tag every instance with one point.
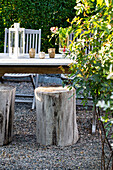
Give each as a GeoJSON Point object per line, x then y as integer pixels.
{"type": "Point", "coordinates": [7, 100]}
{"type": "Point", "coordinates": [56, 116]}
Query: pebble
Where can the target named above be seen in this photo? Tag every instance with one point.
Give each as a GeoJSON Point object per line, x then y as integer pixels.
{"type": "Point", "coordinates": [24, 152]}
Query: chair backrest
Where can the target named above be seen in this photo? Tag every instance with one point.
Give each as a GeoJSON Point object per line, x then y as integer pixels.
{"type": "Point", "coordinates": [89, 47]}
{"type": "Point", "coordinates": [32, 40]}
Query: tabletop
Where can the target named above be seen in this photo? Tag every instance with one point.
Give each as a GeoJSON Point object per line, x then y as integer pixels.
{"type": "Point", "coordinates": [24, 64]}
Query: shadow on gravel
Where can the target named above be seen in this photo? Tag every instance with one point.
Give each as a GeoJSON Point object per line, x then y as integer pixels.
{"type": "Point", "coordinates": [30, 139]}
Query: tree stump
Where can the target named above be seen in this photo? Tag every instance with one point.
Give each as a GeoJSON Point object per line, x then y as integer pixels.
{"type": "Point", "coordinates": [56, 116]}
{"type": "Point", "coordinates": [7, 100]}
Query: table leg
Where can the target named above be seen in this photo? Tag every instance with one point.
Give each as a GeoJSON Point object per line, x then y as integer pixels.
{"type": "Point", "coordinates": [94, 121]}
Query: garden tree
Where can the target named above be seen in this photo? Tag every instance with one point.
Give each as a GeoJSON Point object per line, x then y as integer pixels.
{"type": "Point", "coordinates": [35, 14]}
{"type": "Point", "coordinates": [92, 55]}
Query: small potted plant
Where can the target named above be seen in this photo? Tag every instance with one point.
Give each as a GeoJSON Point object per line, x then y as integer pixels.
{"type": "Point", "coordinates": [51, 50]}
{"type": "Point", "coordinates": [63, 35]}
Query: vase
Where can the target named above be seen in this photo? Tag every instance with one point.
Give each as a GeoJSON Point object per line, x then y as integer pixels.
{"type": "Point", "coordinates": [32, 53]}
{"type": "Point", "coordinates": [41, 55]}
{"type": "Point", "coordinates": [51, 52]}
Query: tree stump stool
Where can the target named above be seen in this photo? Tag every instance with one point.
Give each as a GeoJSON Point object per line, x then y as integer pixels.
{"type": "Point", "coordinates": [7, 100]}
{"type": "Point", "coordinates": [56, 116]}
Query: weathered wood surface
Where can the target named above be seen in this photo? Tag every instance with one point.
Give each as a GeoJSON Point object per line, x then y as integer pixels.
{"type": "Point", "coordinates": [7, 100]}
{"type": "Point", "coordinates": [56, 116]}
{"type": "Point", "coordinates": [36, 65]}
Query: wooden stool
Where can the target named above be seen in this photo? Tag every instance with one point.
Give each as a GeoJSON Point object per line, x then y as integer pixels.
{"type": "Point", "coordinates": [56, 116]}
{"type": "Point", "coordinates": [7, 100]}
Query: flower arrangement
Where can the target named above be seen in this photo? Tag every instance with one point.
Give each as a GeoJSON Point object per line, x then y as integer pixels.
{"type": "Point", "coordinates": [54, 29]}
{"type": "Point", "coordinates": [62, 35]}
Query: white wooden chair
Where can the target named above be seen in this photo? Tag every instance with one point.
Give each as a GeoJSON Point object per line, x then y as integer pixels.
{"type": "Point", "coordinates": [89, 48]}
{"type": "Point", "coordinates": [32, 40]}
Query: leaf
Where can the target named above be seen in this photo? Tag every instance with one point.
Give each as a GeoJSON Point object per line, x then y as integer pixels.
{"type": "Point", "coordinates": [107, 3]}
{"type": "Point", "coordinates": [68, 20]}
{"type": "Point", "coordinates": [99, 2]}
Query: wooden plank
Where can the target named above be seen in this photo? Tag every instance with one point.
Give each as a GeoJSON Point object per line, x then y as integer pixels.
{"type": "Point", "coordinates": [36, 44]}
{"type": "Point", "coordinates": [36, 65]}
{"type": "Point", "coordinates": [35, 62]}
{"type": "Point", "coordinates": [79, 104]}
{"type": "Point", "coordinates": [30, 42]}
{"type": "Point", "coordinates": [27, 44]}
{"type": "Point", "coordinates": [23, 101]}
{"type": "Point", "coordinates": [39, 44]}
{"type": "Point", "coordinates": [33, 41]}
{"type": "Point", "coordinates": [5, 43]}
{"type": "Point", "coordinates": [31, 31]}
{"type": "Point", "coordinates": [24, 95]}
{"type": "Point", "coordinates": [14, 80]}
{"type": "Point", "coordinates": [24, 41]}
{"type": "Point", "coordinates": [34, 69]}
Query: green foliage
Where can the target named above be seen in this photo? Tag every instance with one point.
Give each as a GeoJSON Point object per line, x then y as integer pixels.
{"type": "Point", "coordinates": [92, 69]}
{"type": "Point", "coordinates": [93, 32]}
{"type": "Point", "coordinates": [36, 14]}
{"type": "Point", "coordinates": [63, 36]}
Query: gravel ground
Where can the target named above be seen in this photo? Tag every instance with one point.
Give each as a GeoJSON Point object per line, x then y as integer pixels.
{"type": "Point", "coordinates": [24, 152]}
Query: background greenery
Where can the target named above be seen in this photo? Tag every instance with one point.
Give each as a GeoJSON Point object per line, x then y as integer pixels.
{"type": "Point", "coordinates": [92, 70]}
{"type": "Point", "coordinates": [36, 14]}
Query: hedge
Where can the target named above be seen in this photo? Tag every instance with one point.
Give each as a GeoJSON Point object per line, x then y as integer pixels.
{"type": "Point", "coordinates": [36, 14]}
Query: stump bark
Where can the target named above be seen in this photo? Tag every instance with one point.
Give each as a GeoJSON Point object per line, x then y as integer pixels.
{"type": "Point", "coordinates": [56, 116]}
{"type": "Point", "coordinates": [7, 100]}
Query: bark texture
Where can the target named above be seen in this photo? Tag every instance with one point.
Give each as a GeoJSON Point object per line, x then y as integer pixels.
{"type": "Point", "coordinates": [7, 100]}
{"type": "Point", "coordinates": [56, 116]}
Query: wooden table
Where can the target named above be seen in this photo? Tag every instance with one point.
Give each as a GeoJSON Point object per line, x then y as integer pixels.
{"type": "Point", "coordinates": [24, 64]}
